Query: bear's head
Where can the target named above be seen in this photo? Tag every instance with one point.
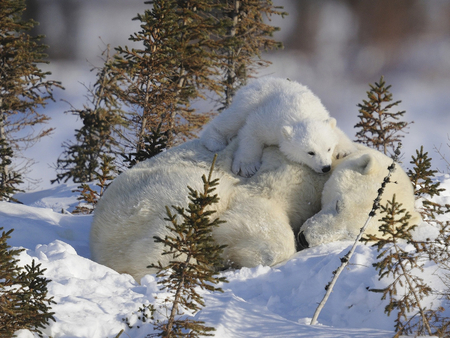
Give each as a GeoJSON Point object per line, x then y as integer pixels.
{"type": "Point", "coordinates": [348, 196]}
{"type": "Point", "coordinates": [310, 142]}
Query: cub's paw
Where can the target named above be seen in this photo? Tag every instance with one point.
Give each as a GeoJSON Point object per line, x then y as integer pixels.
{"type": "Point", "coordinates": [344, 151]}
{"type": "Point", "coordinates": [245, 169]}
{"type": "Point", "coordinates": [339, 155]}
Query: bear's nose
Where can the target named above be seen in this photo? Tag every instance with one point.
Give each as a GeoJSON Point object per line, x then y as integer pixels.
{"type": "Point", "coordinates": [302, 242]}
{"type": "Point", "coordinates": [326, 169]}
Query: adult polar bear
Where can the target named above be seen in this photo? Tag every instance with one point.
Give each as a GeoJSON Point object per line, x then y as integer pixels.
{"type": "Point", "coordinates": [275, 111]}
{"type": "Point", "coordinates": [261, 213]}
{"type": "Point", "coordinates": [348, 196]}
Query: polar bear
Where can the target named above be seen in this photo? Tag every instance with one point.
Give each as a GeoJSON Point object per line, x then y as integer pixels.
{"type": "Point", "coordinates": [263, 213]}
{"type": "Point", "coordinates": [348, 196]}
{"type": "Point", "coordinates": [275, 111]}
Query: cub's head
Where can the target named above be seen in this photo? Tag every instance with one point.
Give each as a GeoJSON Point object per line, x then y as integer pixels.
{"type": "Point", "coordinates": [310, 142]}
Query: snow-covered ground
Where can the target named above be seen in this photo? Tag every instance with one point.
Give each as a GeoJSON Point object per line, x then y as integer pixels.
{"type": "Point", "coordinates": [92, 300]}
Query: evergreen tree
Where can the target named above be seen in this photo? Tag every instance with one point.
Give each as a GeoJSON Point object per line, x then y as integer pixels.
{"type": "Point", "coordinates": [247, 34]}
{"type": "Point", "coordinates": [89, 197]}
{"type": "Point", "coordinates": [175, 62]}
{"type": "Point", "coordinates": [422, 175]}
{"type": "Point", "coordinates": [23, 293]}
{"type": "Point", "coordinates": [102, 120]}
{"type": "Point", "coordinates": [398, 263]}
{"type": "Point", "coordinates": [23, 86]}
{"type": "Point", "coordinates": [379, 127]}
{"type": "Point", "coordinates": [189, 50]}
{"type": "Point", "coordinates": [195, 257]}
{"type": "Point", "coordinates": [9, 180]}
{"type": "Point", "coordinates": [435, 249]}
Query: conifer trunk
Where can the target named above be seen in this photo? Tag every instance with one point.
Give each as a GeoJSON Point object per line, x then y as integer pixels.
{"type": "Point", "coordinates": [4, 168]}
{"type": "Point", "coordinates": [231, 70]}
{"type": "Point", "coordinates": [412, 289]}
{"type": "Point", "coordinates": [176, 299]}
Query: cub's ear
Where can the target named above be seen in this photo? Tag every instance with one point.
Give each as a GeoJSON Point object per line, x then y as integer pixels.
{"type": "Point", "coordinates": [288, 132]}
{"type": "Point", "coordinates": [366, 164]}
{"type": "Point", "coordinates": [332, 122]}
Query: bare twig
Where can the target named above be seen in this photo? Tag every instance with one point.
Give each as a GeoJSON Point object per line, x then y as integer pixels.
{"type": "Point", "coordinates": [345, 260]}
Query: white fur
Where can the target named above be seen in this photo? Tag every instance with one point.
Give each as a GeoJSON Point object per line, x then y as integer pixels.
{"type": "Point", "coordinates": [264, 213]}
{"type": "Point", "coordinates": [259, 211]}
{"type": "Point", "coordinates": [348, 196]}
{"type": "Point", "coordinates": [274, 111]}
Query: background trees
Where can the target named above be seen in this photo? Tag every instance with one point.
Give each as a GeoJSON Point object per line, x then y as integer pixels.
{"type": "Point", "coordinates": [245, 35]}
{"type": "Point", "coordinates": [103, 120]}
{"type": "Point", "coordinates": [23, 87]}
{"type": "Point", "coordinates": [143, 98]}
{"type": "Point", "coordinates": [190, 50]}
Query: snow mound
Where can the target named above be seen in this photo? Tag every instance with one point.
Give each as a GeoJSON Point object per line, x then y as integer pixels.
{"type": "Point", "coordinates": [93, 300]}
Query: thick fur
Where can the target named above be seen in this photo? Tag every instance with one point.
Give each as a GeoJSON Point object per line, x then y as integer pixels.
{"type": "Point", "coordinates": [274, 111]}
{"type": "Point", "coordinates": [348, 197]}
{"type": "Point", "coordinates": [262, 213]}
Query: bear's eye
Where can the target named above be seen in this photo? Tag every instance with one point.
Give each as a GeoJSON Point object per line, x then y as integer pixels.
{"type": "Point", "coordinates": [312, 153]}
{"type": "Point", "coordinates": [329, 149]}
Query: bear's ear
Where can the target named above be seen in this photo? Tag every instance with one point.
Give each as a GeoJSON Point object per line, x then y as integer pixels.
{"type": "Point", "coordinates": [366, 164]}
{"type": "Point", "coordinates": [288, 132]}
{"type": "Point", "coordinates": [332, 122]}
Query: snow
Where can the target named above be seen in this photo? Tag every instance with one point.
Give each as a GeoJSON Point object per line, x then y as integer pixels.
{"type": "Point", "coordinates": [93, 300]}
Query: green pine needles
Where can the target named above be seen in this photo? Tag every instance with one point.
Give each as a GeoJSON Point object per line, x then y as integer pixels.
{"type": "Point", "coordinates": [379, 127]}
{"type": "Point", "coordinates": [102, 119]}
{"type": "Point", "coordinates": [23, 293]}
{"type": "Point", "coordinates": [195, 259]}
{"type": "Point", "coordinates": [103, 177]}
{"type": "Point", "coordinates": [422, 175]}
{"type": "Point", "coordinates": [400, 265]}
{"type": "Point", "coordinates": [9, 179]}
{"type": "Point", "coordinates": [153, 144]}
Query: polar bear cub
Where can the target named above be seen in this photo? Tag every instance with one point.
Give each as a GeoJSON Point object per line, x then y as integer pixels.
{"type": "Point", "coordinates": [275, 111]}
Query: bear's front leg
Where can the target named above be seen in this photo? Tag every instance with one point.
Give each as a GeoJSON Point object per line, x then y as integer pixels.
{"type": "Point", "coordinates": [247, 158]}
{"type": "Point", "coordinates": [212, 139]}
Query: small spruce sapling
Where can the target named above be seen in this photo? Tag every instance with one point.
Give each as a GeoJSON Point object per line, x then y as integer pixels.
{"type": "Point", "coordinates": [401, 265]}
{"type": "Point", "coordinates": [421, 176]}
{"type": "Point", "coordinates": [435, 249]}
{"type": "Point", "coordinates": [379, 127]}
{"type": "Point", "coordinates": [195, 259]}
{"type": "Point", "coordinates": [23, 293]}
